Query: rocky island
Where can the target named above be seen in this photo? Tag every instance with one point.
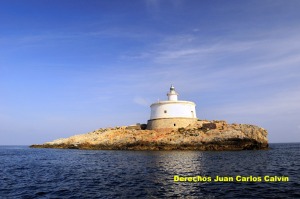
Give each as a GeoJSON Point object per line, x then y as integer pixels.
{"type": "Point", "coordinates": [202, 135]}
{"type": "Point", "coordinates": [173, 125]}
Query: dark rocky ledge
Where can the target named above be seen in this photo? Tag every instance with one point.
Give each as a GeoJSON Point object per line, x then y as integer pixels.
{"type": "Point", "coordinates": [203, 135]}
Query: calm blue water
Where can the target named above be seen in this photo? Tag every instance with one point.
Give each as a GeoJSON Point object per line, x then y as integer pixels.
{"type": "Point", "coordinates": [60, 173]}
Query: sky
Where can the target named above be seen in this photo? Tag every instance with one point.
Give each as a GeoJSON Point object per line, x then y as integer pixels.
{"type": "Point", "coordinates": [69, 67]}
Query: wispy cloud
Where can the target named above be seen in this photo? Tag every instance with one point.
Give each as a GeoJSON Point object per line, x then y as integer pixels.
{"type": "Point", "coordinates": [141, 101]}
{"type": "Point", "coordinates": [155, 5]}
{"type": "Point", "coordinates": [223, 57]}
{"type": "Point", "coordinates": [282, 103]}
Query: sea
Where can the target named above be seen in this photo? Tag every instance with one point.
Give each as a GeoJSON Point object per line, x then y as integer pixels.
{"type": "Point", "coordinates": [69, 173]}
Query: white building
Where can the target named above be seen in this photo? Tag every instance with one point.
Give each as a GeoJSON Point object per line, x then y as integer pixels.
{"type": "Point", "coordinates": [172, 113]}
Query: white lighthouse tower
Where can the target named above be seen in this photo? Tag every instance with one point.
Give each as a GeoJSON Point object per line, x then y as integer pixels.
{"type": "Point", "coordinates": [172, 113]}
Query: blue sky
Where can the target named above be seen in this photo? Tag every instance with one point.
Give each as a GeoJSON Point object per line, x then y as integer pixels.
{"type": "Point", "coordinates": [69, 67]}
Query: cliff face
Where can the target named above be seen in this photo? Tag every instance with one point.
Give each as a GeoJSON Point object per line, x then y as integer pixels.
{"type": "Point", "coordinates": [202, 135]}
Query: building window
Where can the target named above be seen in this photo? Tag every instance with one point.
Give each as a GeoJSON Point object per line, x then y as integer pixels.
{"type": "Point", "coordinates": [165, 111]}
{"type": "Point", "coordinates": [174, 124]}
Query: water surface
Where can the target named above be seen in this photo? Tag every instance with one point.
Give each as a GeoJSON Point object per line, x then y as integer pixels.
{"type": "Point", "coordinates": [63, 173]}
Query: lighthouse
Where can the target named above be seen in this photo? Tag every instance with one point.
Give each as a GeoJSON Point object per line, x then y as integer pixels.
{"type": "Point", "coordinates": [172, 113]}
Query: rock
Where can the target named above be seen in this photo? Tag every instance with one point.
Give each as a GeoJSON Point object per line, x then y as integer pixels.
{"type": "Point", "coordinates": [210, 125]}
{"type": "Point", "coordinates": [203, 135]}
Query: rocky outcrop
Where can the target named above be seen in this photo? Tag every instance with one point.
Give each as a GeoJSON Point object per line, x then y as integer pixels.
{"type": "Point", "coordinates": [202, 135]}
